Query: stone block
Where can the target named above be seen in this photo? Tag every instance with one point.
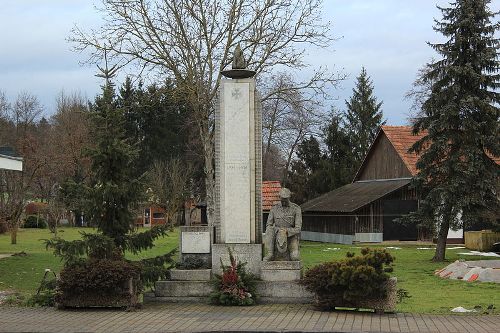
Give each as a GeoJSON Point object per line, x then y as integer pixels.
{"type": "Point", "coordinates": [279, 292]}
{"type": "Point", "coordinates": [249, 253]}
{"type": "Point", "coordinates": [280, 270]}
{"type": "Point", "coordinates": [190, 274]}
{"type": "Point", "coordinates": [280, 275]}
{"type": "Point", "coordinates": [183, 288]}
{"type": "Point", "coordinates": [281, 265]}
{"type": "Point", "coordinates": [195, 243]}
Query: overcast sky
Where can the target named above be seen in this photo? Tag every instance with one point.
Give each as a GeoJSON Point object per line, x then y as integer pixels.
{"type": "Point", "coordinates": [388, 37]}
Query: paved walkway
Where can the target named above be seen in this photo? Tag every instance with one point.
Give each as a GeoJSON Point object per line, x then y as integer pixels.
{"type": "Point", "coordinates": [261, 318]}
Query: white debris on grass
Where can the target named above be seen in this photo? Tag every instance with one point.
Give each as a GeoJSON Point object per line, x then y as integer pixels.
{"type": "Point", "coordinates": [455, 248]}
{"type": "Point", "coordinates": [331, 249]}
{"type": "Point", "coordinates": [426, 248]}
{"type": "Point", "coordinates": [461, 309]}
{"type": "Point", "coordinates": [470, 272]}
{"type": "Point", "coordinates": [479, 253]}
{"type": "Point", "coordinates": [393, 248]}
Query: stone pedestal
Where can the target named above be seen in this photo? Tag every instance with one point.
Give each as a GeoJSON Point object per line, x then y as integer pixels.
{"type": "Point", "coordinates": [195, 242]}
{"type": "Point", "coordinates": [249, 253]}
{"type": "Point", "coordinates": [280, 270]}
{"type": "Point", "coordinates": [283, 292]}
{"type": "Point", "coordinates": [238, 164]}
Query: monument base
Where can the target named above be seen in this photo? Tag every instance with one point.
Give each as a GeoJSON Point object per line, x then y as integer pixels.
{"type": "Point", "coordinates": [283, 292]}
{"type": "Point", "coordinates": [249, 253]}
{"type": "Point", "coordinates": [280, 270]}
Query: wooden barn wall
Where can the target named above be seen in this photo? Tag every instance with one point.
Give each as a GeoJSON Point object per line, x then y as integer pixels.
{"type": "Point", "coordinates": [369, 218]}
{"type": "Point", "coordinates": [334, 223]}
{"type": "Point", "coordinates": [383, 162]}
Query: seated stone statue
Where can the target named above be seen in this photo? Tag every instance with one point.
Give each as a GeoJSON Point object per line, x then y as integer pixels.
{"type": "Point", "coordinates": [283, 230]}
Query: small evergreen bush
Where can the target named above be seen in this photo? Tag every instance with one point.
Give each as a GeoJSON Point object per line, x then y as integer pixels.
{"type": "Point", "coordinates": [351, 280]}
{"type": "Point", "coordinates": [102, 277]}
{"type": "Point", "coordinates": [235, 286]}
{"type": "Point", "coordinates": [32, 221]}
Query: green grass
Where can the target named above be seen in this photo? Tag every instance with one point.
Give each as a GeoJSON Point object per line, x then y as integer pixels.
{"type": "Point", "coordinates": [23, 273]}
{"type": "Point", "coordinates": [415, 273]}
{"type": "Point", "coordinates": [412, 267]}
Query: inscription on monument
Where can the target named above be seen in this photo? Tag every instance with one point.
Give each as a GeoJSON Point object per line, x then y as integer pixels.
{"type": "Point", "coordinates": [195, 242]}
{"type": "Point", "coordinates": [235, 212]}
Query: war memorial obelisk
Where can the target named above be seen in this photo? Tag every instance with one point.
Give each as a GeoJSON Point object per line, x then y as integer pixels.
{"type": "Point", "coordinates": [238, 168]}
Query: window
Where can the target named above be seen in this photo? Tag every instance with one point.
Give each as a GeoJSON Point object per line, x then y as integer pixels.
{"type": "Point", "coordinates": [158, 215]}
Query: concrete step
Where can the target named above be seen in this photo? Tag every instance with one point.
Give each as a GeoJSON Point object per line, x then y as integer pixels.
{"type": "Point", "coordinates": [183, 288]}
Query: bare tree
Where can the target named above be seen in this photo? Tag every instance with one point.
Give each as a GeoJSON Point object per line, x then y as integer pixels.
{"type": "Point", "coordinates": [191, 41]}
{"type": "Point", "coordinates": [7, 128]}
{"type": "Point", "coordinates": [168, 182]}
{"type": "Point", "coordinates": [291, 111]}
{"type": "Point", "coordinates": [26, 111]}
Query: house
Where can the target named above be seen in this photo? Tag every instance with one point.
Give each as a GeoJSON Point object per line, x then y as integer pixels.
{"type": "Point", "coordinates": [270, 197]}
{"type": "Point", "coordinates": [9, 160]}
{"type": "Point", "coordinates": [365, 210]}
{"type": "Point", "coordinates": [150, 216]}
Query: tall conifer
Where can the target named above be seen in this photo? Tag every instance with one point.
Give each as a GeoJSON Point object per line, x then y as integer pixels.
{"type": "Point", "coordinates": [457, 172]}
{"type": "Point", "coordinates": [363, 116]}
{"type": "Point", "coordinates": [115, 189]}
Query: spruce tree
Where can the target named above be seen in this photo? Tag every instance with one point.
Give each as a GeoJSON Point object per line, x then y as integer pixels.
{"type": "Point", "coordinates": [363, 116]}
{"type": "Point", "coordinates": [115, 188]}
{"type": "Point", "coordinates": [457, 173]}
{"type": "Point", "coordinates": [341, 158]}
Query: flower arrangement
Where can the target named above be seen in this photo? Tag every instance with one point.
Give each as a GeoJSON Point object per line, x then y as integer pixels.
{"type": "Point", "coordinates": [235, 286]}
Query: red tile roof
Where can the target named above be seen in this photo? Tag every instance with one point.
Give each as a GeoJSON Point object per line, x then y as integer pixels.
{"type": "Point", "coordinates": [402, 138]}
{"type": "Point", "coordinates": [270, 194]}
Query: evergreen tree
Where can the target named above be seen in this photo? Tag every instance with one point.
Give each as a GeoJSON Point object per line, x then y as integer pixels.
{"type": "Point", "coordinates": [363, 116]}
{"type": "Point", "coordinates": [340, 155]}
{"type": "Point", "coordinates": [457, 173]}
{"type": "Point", "coordinates": [303, 178]}
{"type": "Point", "coordinates": [115, 187]}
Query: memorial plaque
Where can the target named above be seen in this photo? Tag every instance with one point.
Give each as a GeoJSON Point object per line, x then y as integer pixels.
{"type": "Point", "coordinates": [236, 167]}
{"type": "Point", "coordinates": [195, 242]}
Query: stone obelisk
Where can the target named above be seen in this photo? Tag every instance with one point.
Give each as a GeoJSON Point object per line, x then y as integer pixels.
{"type": "Point", "coordinates": [238, 168]}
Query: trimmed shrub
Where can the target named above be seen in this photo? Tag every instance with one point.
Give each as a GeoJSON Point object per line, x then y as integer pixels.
{"type": "Point", "coordinates": [32, 221]}
{"type": "Point", "coordinates": [97, 278]}
{"type": "Point", "coordinates": [350, 281]}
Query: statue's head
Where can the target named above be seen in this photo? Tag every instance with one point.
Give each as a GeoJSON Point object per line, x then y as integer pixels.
{"type": "Point", "coordinates": [285, 197]}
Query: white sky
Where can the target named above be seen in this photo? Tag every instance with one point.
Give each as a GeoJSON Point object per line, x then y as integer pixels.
{"type": "Point", "coordinates": [388, 37]}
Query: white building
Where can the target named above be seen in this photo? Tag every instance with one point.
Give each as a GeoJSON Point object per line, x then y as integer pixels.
{"type": "Point", "coordinates": [11, 163]}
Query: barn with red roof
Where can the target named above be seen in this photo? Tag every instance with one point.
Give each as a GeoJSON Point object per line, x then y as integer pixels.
{"type": "Point", "coordinates": [364, 211]}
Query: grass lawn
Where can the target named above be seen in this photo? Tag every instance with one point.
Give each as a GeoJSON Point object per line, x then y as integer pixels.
{"type": "Point", "coordinates": [412, 267]}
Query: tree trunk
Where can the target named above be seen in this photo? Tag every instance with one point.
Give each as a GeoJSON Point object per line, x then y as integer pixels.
{"type": "Point", "coordinates": [209, 179]}
{"type": "Point", "coordinates": [13, 234]}
{"type": "Point", "coordinates": [440, 253]}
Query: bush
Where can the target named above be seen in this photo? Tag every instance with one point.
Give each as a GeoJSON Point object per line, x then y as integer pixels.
{"type": "Point", "coordinates": [192, 263]}
{"type": "Point", "coordinates": [33, 221]}
{"type": "Point", "coordinates": [349, 281]}
{"type": "Point", "coordinates": [103, 276]}
{"type": "Point", "coordinates": [234, 286]}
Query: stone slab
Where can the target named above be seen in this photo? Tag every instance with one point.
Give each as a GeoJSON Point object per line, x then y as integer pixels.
{"type": "Point", "coordinates": [280, 275]}
{"type": "Point", "coordinates": [283, 292]}
{"type": "Point", "coordinates": [249, 253]}
{"type": "Point", "coordinates": [281, 265]}
{"type": "Point", "coordinates": [183, 288]}
{"type": "Point", "coordinates": [236, 166]}
{"type": "Point", "coordinates": [164, 299]}
{"type": "Point", "coordinates": [195, 242]}
{"type": "Point", "coordinates": [190, 274]}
